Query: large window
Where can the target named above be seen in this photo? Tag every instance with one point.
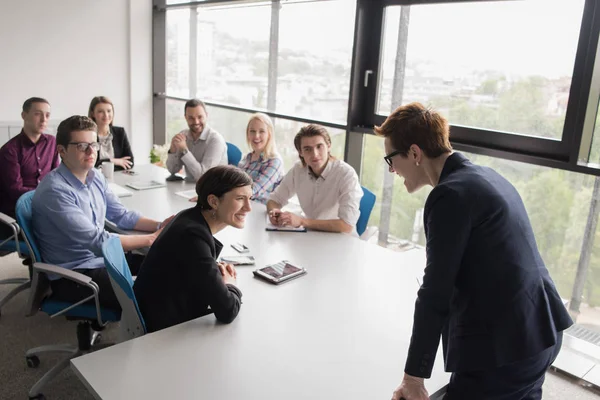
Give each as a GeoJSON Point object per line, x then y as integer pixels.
{"type": "Point", "coordinates": [504, 66]}
{"type": "Point", "coordinates": [559, 205]}
{"type": "Point", "coordinates": [233, 54]}
{"type": "Point", "coordinates": [293, 58]}
{"type": "Point", "coordinates": [315, 53]}
{"type": "Point", "coordinates": [178, 52]}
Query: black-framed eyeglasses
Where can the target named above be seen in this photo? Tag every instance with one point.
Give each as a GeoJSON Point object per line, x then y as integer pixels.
{"type": "Point", "coordinates": [84, 146]}
{"type": "Point", "coordinates": [388, 158]}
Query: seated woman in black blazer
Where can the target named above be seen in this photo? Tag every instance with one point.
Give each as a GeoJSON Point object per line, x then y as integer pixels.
{"type": "Point", "coordinates": [114, 145]}
{"type": "Point", "coordinates": [180, 277]}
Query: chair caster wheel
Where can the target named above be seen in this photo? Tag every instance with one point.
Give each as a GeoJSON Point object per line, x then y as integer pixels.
{"type": "Point", "coordinates": [34, 362]}
{"type": "Point", "coordinates": [37, 397]}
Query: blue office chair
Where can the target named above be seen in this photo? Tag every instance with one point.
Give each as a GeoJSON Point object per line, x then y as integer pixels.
{"type": "Point", "coordinates": [366, 206]}
{"type": "Point", "coordinates": [132, 322]}
{"type": "Point", "coordinates": [92, 318]}
{"type": "Point", "coordinates": [234, 154]}
{"type": "Point", "coordinates": [11, 245]}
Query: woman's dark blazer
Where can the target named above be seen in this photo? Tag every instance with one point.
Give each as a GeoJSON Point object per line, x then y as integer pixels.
{"type": "Point", "coordinates": [120, 145]}
{"type": "Point", "coordinates": [179, 278]}
{"type": "Point", "coordinates": [486, 289]}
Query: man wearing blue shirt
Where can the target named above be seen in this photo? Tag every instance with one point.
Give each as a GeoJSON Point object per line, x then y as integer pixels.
{"type": "Point", "coordinates": [69, 209]}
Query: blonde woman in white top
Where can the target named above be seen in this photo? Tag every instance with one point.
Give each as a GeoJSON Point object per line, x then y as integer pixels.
{"type": "Point", "coordinates": [328, 189]}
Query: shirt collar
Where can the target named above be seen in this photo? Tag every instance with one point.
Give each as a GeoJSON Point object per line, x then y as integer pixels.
{"type": "Point", "coordinates": [261, 158]}
{"type": "Point", "coordinates": [325, 172]}
{"type": "Point", "coordinates": [453, 162]}
{"type": "Point", "coordinates": [27, 142]}
{"type": "Point", "coordinates": [72, 179]}
{"type": "Point", "coordinates": [203, 135]}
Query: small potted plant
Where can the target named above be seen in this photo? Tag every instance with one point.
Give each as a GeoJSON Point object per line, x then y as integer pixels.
{"type": "Point", "coordinates": [158, 154]}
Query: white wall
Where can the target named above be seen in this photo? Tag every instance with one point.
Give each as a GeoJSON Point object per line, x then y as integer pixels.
{"type": "Point", "coordinates": [69, 51]}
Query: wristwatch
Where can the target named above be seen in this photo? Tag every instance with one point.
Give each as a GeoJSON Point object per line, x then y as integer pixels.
{"type": "Point", "coordinates": [184, 152]}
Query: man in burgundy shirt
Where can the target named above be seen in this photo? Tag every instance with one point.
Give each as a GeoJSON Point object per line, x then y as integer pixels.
{"type": "Point", "coordinates": [26, 158]}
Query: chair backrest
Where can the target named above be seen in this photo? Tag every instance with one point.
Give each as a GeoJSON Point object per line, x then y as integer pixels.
{"type": "Point", "coordinates": [40, 285]}
{"type": "Point", "coordinates": [366, 206]}
{"type": "Point", "coordinates": [132, 323]}
{"type": "Point", "coordinates": [24, 219]}
{"type": "Point", "coordinates": [234, 154]}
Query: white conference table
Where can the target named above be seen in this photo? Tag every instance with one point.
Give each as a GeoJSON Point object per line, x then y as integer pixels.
{"type": "Point", "coordinates": [340, 332]}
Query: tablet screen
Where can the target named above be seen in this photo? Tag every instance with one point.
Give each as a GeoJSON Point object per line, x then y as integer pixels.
{"type": "Point", "coordinates": [280, 270]}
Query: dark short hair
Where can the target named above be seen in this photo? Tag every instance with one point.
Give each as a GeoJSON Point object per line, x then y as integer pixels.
{"type": "Point", "coordinates": [218, 181]}
{"type": "Point", "coordinates": [415, 124]}
{"type": "Point", "coordinates": [99, 100]}
{"type": "Point", "coordinates": [193, 103]}
{"type": "Point", "coordinates": [310, 130]}
{"type": "Point", "coordinates": [29, 102]}
{"type": "Point", "coordinates": [73, 124]}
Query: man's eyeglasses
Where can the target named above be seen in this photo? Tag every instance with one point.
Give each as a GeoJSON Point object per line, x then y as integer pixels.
{"type": "Point", "coordinates": [388, 158]}
{"type": "Point", "coordinates": [83, 146]}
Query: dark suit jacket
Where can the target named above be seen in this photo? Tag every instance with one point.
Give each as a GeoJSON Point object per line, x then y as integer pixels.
{"type": "Point", "coordinates": [179, 278]}
{"type": "Point", "coordinates": [486, 288]}
{"type": "Point", "coordinates": [120, 145]}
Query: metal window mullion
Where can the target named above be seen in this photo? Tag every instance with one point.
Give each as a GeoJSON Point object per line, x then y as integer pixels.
{"type": "Point", "coordinates": [397, 98]}
{"type": "Point", "coordinates": [193, 61]}
{"type": "Point", "coordinates": [273, 56]}
{"type": "Point", "coordinates": [362, 92]}
{"type": "Point", "coordinates": [159, 72]}
{"type": "Point", "coordinates": [353, 151]}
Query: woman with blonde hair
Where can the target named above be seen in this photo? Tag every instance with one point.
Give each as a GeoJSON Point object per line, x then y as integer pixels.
{"type": "Point", "coordinates": [263, 163]}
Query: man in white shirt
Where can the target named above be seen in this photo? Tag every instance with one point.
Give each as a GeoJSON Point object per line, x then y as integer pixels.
{"type": "Point", "coordinates": [198, 148]}
{"type": "Point", "coordinates": [328, 189]}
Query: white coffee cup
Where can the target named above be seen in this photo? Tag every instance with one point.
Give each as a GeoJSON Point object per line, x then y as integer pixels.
{"type": "Point", "coordinates": [108, 170]}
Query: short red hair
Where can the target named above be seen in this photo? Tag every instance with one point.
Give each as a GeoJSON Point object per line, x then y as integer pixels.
{"type": "Point", "coordinates": [415, 124]}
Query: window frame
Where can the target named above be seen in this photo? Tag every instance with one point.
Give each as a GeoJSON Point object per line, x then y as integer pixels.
{"type": "Point", "coordinates": [568, 153]}
{"type": "Point", "coordinates": [563, 153]}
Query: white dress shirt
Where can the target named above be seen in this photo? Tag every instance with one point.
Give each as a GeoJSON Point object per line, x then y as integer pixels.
{"type": "Point", "coordinates": [335, 194]}
{"type": "Point", "coordinates": [209, 150]}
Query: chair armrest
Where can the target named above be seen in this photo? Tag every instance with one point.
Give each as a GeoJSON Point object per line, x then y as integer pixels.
{"type": "Point", "coordinates": [63, 273]}
{"type": "Point", "coordinates": [7, 220]}
{"type": "Point", "coordinates": [40, 270]}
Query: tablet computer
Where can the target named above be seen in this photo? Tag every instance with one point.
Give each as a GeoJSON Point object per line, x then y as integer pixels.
{"type": "Point", "coordinates": [278, 273]}
{"type": "Point", "coordinates": [143, 185]}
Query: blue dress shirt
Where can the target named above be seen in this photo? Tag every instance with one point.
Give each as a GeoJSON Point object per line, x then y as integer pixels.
{"type": "Point", "coordinates": [68, 218]}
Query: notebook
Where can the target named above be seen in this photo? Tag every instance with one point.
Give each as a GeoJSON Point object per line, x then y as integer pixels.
{"type": "Point", "coordinates": [143, 185]}
{"type": "Point", "coordinates": [187, 194]}
{"type": "Point", "coordinates": [119, 191]}
{"type": "Point", "coordinates": [271, 227]}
